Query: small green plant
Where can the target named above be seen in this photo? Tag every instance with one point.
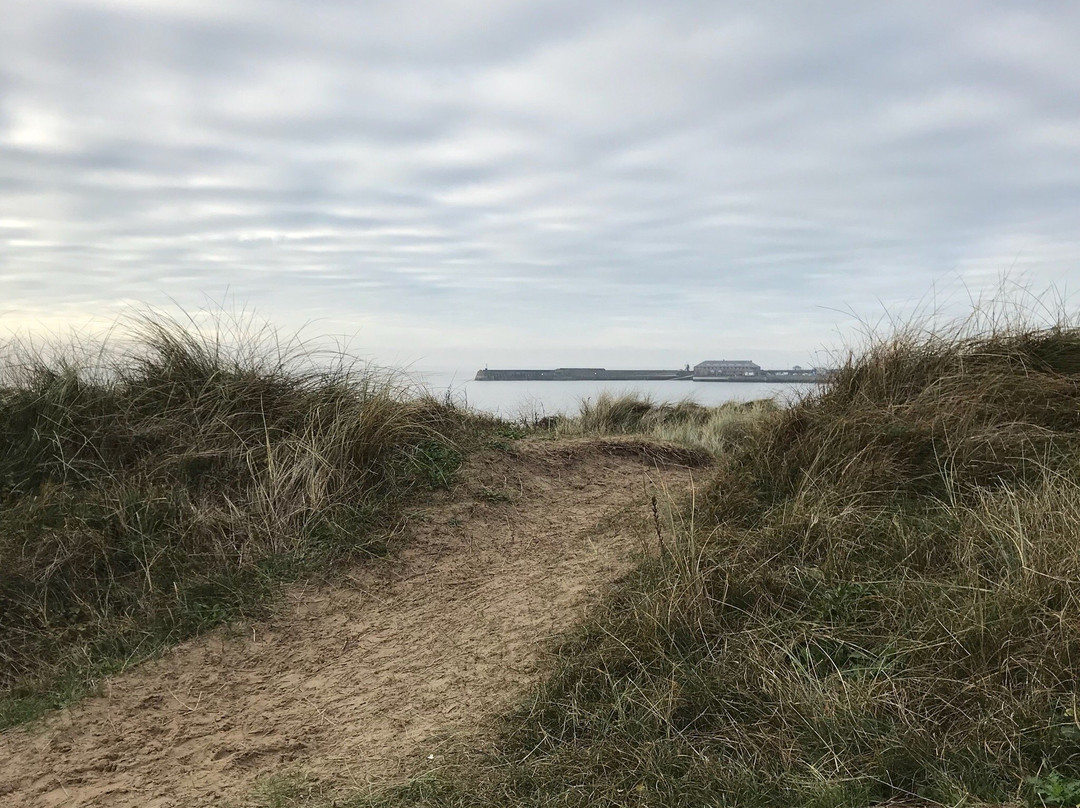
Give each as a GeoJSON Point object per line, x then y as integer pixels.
{"type": "Point", "coordinates": [289, 790]}
{"type": "Point", "coordinates": [841, 601]}
{"type": "Point", "coordinates": [1055, 789]}
{"type": "Point", "coordinates": [435, 462]}
{"type": "Point", "coordinates": [19, 708]}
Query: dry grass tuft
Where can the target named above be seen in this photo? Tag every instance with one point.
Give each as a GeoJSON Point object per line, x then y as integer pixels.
{"type": "Point", "coordinates": [713, 429]}
{"type": "Point", "coordinates": [160, 483]}
{"type": "Point", "coordinates": [877, 601]}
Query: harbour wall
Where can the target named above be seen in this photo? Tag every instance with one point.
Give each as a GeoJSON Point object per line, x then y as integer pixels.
{"type": "Point", "coordinates": [581, 375]}
{"type": "Point", "coordinates": [602, 374]}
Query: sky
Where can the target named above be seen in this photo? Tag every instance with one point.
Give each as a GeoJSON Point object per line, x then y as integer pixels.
{"type": "Point", "coordinates": [458, 183]}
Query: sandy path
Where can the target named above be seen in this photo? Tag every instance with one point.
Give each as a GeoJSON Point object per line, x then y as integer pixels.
{"type": "Point", "coordinates": [355, 681]}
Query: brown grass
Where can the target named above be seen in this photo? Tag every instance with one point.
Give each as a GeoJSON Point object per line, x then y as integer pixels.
{"type": "Point", "coordinates": [876, 601]}
{"type": "Point", "coordinates": [714, 429]}
{"type": "Point", "coordinates": [160, 483]}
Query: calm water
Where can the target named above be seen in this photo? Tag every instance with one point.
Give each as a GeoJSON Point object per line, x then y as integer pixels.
{"type": "Point", "coordinates": [511, 399]}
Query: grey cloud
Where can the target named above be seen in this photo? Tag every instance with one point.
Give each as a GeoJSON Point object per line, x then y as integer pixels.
{"type": "Point", "coordinates": [717, 172]}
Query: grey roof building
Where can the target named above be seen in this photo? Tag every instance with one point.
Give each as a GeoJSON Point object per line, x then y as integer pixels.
{"type": "Point", "coordinates": [726, 368]}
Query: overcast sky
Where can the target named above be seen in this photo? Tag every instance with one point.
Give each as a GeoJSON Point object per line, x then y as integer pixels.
{"type": "Point", "coordinates": [532, 183]}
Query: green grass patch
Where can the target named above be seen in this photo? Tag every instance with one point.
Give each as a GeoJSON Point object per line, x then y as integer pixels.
{"type": "Point", "coordinates": [435, 462]}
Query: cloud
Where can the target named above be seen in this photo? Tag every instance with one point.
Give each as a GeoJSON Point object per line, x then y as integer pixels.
{"type": "Point", "coordinates": [570, 182]}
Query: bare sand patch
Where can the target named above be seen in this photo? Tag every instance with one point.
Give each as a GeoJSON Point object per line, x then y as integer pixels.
{"type": "Point", "coordinates": [354, 681]}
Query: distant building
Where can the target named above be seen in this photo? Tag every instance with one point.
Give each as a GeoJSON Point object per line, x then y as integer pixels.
{"type": "Point", "coordinates": [726, 368]}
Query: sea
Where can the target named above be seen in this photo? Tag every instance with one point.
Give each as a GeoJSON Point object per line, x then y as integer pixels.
{"type": "Point", "coordinates": [543, 398]}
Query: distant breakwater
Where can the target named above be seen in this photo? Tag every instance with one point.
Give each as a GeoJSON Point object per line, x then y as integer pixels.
{"type": "Point", "coordinates": [582, 375]}
{"type": "Point", "coordinates": [797, 375]}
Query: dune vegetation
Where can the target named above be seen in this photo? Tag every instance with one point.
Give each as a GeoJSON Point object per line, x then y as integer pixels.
{"type": "Point", "coordinates": [713, 429]}
{"type": "Point", "coordinates": [164, 481]}
{"type": "Point", "coordinates": [875, 601]}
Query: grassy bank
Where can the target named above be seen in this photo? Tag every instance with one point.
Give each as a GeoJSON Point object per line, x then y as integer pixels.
{"type": "Point", "coordinates": [714, 429]}
{"type": "Point", "coordinates": [876, 602]}
{"type": "Point", "coordinates": [166, 481]}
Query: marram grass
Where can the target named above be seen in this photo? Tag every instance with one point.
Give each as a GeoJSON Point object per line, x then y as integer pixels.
{"type": "Point", "coordinates": [163, 482]}
{"type": "Point", "coordinates": [713, 429]}
{"type": "Point", "coordinates": [876, 602]}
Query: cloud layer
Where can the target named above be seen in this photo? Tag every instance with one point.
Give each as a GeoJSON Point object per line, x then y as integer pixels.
{"type": "Point", "coordinates": [469, 181]}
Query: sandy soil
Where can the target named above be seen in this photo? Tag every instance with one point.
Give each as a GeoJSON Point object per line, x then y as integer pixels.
{"type": "Point", "coordinates": [357, 681]}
